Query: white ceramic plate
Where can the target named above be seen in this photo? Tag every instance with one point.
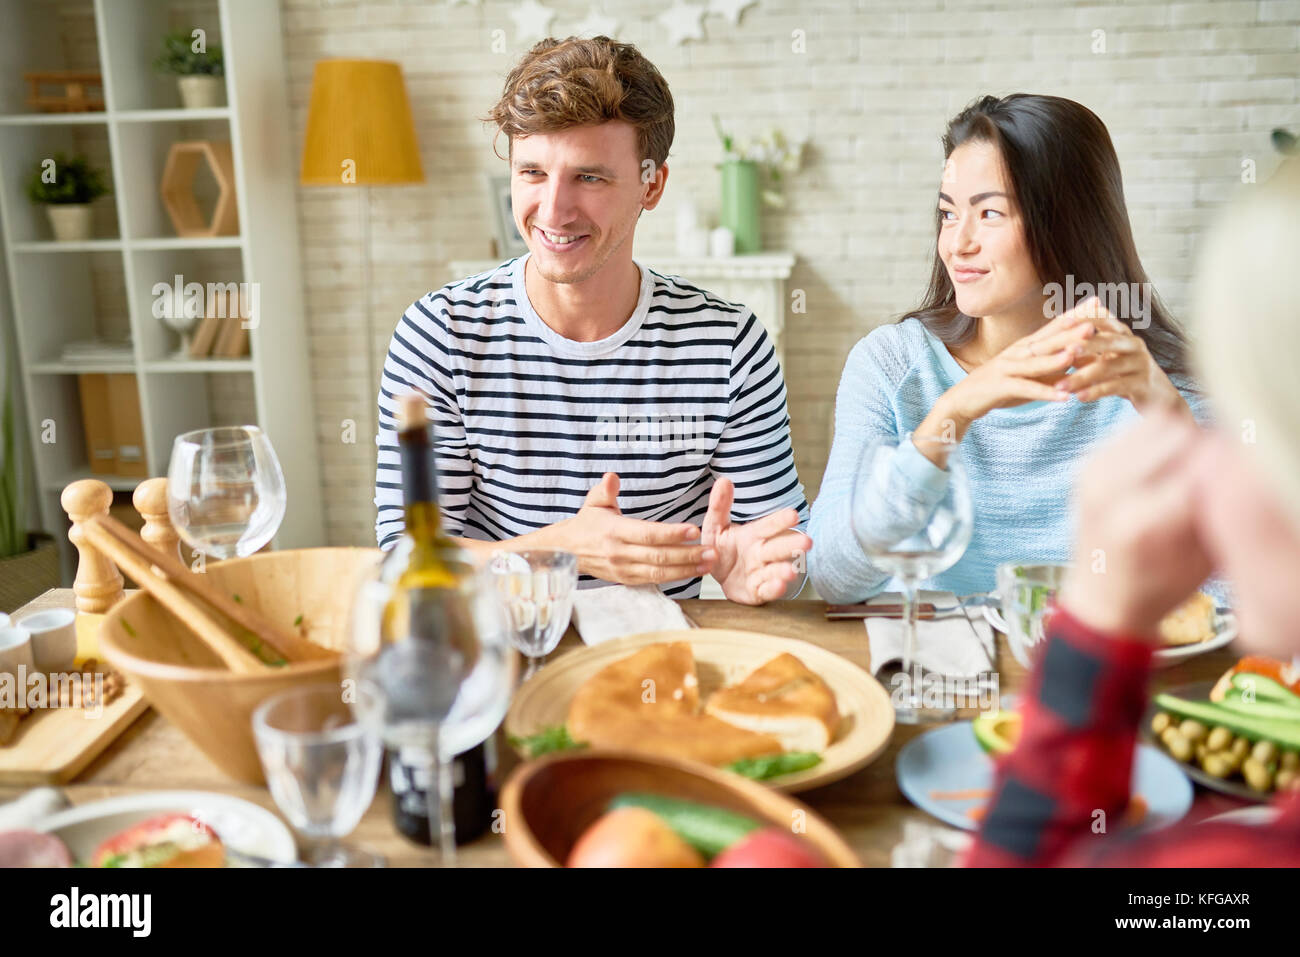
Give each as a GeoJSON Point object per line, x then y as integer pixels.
{"type": "Point", "coordinates": [1225, 629]}
{"type": "Point", "coordinates": [242, 826]}
{"type": "Point", "coordinates": [1260, 816]}
{"type": "Point", "coordinates": [949, 759]}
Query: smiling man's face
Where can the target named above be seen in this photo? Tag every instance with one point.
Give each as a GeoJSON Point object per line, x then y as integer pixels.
{"type": "Point", "coordinates": [577, 195]}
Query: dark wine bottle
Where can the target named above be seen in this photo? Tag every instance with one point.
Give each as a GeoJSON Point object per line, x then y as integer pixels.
{"type": "Point", "coordinates": [474, 775]}
{"type": "Point", "coordinates": [431, 646]}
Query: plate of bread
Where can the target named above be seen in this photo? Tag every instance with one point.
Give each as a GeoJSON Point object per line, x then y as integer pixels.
{"type": "Point", "coordinates": [1193, 628]}
{"type": "Point", "coordinates": [734, 699]}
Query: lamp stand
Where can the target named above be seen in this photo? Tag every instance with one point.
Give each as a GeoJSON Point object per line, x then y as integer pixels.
{"type": "Point", "coordinates": [368, 324]}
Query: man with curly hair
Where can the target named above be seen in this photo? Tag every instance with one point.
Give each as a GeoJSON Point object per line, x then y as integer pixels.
{"type": "Point", "coordinates": [580, 400]}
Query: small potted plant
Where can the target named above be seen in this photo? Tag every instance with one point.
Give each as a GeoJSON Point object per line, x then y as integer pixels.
{"type": "Point", "coordinates": [199, 69]}
{"type": "Point", "coordinates": [66, 190]}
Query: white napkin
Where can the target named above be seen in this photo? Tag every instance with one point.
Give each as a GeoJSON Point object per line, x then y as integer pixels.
{"type": "Point", "coordinates": [27, 810]}
{"type": "Point", "coordinates": [928, 845]}
{"type": "Point", "coordinates": [946, 646]}
{"type": "Point", "coordinates": [612, 611]}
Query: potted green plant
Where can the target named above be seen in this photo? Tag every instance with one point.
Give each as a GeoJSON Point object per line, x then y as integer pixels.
{"type": "Point", "coordinates": [29, 562]}
{"type": "Point", "coordinates": [199, 69]}
{"type": "Point", "coordinates": [66, 190]}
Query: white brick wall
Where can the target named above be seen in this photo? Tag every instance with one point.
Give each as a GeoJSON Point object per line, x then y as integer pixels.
{"type": "Point", "coordinates": [1188, 91]}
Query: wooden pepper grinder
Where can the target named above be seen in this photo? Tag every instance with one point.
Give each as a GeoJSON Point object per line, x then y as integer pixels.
{"type": "Point", "coordinates": [98, 584]}
{"type": "Point", "coordinates": [150, 500]}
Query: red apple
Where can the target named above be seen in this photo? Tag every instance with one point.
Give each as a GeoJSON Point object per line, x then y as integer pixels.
{"type": "Point", "coordinates": [769, 847]}
{"type": "Point", "coordinates": [632, 837]}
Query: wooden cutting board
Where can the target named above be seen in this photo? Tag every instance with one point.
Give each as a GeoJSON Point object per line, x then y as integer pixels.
{"type": "Point", "coordinates": [52, 745]}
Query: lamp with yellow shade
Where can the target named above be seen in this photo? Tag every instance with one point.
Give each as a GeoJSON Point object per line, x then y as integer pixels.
{"type": "Point", "coordinates": [360, 134]}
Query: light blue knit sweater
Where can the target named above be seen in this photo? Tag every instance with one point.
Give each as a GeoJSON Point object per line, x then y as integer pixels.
{"type": "Point", "coordinates": [1021, 461]}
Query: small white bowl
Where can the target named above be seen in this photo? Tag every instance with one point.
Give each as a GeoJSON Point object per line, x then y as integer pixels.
{"type": "Point", "coordinates": [54, 638]}
{"type": "Point", "coordinates": [15, 652]}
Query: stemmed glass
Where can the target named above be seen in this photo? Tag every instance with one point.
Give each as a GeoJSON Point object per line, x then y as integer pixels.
{"type": "Point", "coordinates": [447, 678]}
{"type": "Point", "coordinates": [536, 592]}
{"type": "Point", "coordinates": [321, 760]}
{"type": "Point", "coordinates": [225, 490]}
{"type": "Point", "coordinates": [913, 521]}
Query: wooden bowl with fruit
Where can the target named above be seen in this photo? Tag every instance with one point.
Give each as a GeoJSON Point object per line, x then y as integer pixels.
{"type": "Point", "coordinates": [605, 808]}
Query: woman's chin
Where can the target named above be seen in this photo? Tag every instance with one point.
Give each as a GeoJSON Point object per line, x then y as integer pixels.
{"type": "Point", "coordinates": [971, 305]}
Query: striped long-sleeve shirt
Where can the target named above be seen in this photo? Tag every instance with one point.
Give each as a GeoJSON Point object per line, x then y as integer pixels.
{"type": "Point", "coordinates": [527, 421]}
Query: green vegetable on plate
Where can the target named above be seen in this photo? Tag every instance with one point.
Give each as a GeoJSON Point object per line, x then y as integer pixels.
{"type": "Point", "coordinates": [550, 739]}
{"type": "Point", "coordinates": [775, 765]}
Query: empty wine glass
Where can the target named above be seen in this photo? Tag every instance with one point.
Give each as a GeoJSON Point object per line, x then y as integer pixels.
{"type": "Point", "coordinates": [320, 748]}
{"type": "Point", "coordinates": [225, 490]}
{"type": "Point", "coordinates": [913, 520]}
{"type": "Point", "coordinates": [536, 591]}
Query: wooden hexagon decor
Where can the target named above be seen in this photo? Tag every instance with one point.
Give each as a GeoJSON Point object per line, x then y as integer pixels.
{"type": "Point", "coordinates": [178, 198]}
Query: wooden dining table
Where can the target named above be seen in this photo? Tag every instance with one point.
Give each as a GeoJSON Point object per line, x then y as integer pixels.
{"type": "Point", "coordinates": [867, 807]}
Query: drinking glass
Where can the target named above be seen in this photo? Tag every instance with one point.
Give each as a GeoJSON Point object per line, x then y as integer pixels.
{"type": "Point", "coordinates": [1027, 592]}
{"type": "Point", "coordinates": [225, 490]}
{"type": "Point", "coordinates": [321, 759]}
{"type": "Point", "coordinates": [447, 686]}
{"type": "Point", "coordinates": [536, 592]}
{"type": "Point", "coordinates": [914, 523]}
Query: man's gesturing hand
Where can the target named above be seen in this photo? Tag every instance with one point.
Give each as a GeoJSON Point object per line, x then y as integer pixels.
{"type": "Point", "coordinates": [615, 548]}
{"type": "Point", "coordinates": [755, 561]}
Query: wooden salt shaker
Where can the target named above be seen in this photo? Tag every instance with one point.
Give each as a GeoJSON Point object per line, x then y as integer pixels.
{"type": "Point", "coordinates": [98, 585]}
{"type": "Point", "coordinates": [150, 500]}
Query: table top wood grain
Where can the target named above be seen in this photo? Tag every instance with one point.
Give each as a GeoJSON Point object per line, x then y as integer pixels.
{"type": "Point", "coordinates": [866, 807]}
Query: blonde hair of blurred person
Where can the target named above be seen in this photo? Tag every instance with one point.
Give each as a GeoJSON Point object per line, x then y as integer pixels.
{"type": "Point", "coordinates": [1167, 501]}
{"type": "Point", "coordinates": [1247, 335]}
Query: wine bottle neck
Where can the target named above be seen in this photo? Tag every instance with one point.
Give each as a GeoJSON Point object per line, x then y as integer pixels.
{"type": "Point", "coordinates": [419, 482]}
{"type": "Point", "coordinates": [423, 521]}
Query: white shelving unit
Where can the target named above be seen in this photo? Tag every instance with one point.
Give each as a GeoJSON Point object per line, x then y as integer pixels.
{"type": "Point", "coordinates": [54, 286]}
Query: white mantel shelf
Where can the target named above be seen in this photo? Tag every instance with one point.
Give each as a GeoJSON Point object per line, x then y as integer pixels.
{"type": "Point", "coordinates": [756, 280]}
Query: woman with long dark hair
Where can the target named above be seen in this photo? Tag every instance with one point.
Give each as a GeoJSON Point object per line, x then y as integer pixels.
{"type": "Point", "coordinates": [1039, 335]}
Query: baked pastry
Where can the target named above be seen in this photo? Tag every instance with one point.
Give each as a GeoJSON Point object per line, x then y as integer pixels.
{"type": "Point", "coordinates": [1190, 623]}
{"type": "Point", "coordinates": [784, 699]}
{"type": "Point", "coordinates": [649, 702]}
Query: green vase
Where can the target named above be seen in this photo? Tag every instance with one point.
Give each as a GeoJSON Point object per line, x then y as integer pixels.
{"type": "Point", "coordinates": [740, 204]}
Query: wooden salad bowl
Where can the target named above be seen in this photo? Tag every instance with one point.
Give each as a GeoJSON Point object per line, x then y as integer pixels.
{"type": "Point", "coordinates": [187, 682]}
{"type": "Point", "coordinates": [549, 802]}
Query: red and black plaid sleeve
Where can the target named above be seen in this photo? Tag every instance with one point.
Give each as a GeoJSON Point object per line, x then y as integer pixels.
{"type": "Point", "coordinates": [1061, 796]}
{"type": "Point", "coordinates": [1069, 776]}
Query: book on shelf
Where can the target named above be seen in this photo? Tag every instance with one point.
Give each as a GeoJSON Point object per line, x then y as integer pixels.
{"type": "Point", "coordinates": [97, 423]}
{"type": "Point", "coordinates": [221, 333]}
{"type": "Point", "coordinates": [97, 350]}
{"type": "Point", "coordinates": [114, 430]}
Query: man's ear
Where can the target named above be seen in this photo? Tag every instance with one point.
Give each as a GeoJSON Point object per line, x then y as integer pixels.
{"type": "Point", "coordinates": [655, 187]}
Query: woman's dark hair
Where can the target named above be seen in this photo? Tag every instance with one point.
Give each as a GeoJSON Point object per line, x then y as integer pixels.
{"type": "Point", "coordinates": [1065, 179]}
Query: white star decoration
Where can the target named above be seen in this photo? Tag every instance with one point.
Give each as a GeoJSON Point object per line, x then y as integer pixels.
{"type": "Point", "coordinates": [597, 25]}
{"type": "Point", "coordinates": [731, 9]}
{"type": "Point", "coordinates": [532, 21]}
{"type": "Point", "coordinates": [683, 22]}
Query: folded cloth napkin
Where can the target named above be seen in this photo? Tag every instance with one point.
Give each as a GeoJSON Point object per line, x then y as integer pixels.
{"type": "Point", "coordinates": [25, 811]}
{"type": "Point", "coordinates": [928, 845]}
{"type": "Point", "coordinates": [946, 645]}
{"type": "Point", "coordinates": [612, 611]}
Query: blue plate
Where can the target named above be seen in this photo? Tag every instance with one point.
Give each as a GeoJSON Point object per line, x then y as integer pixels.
{"type": "Point", "coordinates": [950, 759]}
